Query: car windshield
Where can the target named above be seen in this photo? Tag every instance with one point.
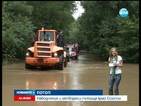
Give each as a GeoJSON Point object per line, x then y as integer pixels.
{"type": "Point", "coordinates": [46, 36]}
{"type": "Point", "coordinates": [72, 49]}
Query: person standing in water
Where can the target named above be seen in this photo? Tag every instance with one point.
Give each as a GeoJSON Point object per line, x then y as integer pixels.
{"type": "Point", "coordinates": [60, 39]}
{"type": "Point", "coordinates": [115, 62]}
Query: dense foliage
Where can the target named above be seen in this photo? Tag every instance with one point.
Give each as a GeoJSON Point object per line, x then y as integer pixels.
{"type": "Point", "coordinates": [16, 30]}
{"type": "Point", "coordinates": [101, 28]}
{"type": "Point", "coordinates": [52, 14]}
{"type": "Point", "coordinates": [22, 19]}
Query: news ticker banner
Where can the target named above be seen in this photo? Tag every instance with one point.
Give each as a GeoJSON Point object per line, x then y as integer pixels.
{"type": "Point", "coordinates": [65, 95]}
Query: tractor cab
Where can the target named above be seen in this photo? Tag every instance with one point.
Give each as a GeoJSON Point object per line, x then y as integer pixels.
{"type": "Point", "coordinates": [47, 35]}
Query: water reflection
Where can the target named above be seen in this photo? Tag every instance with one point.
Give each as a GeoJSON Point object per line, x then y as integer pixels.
{"type": "Point", "coordinates": [45, 80]}
{"type": "Point", "coordinates": [55, 85]}
{"type": "Point", "coordinates": [27, 85]}
{"type": "Point", "coordinates": [75, 75]}
{"type": "Point", "coordinates": [76, 103]}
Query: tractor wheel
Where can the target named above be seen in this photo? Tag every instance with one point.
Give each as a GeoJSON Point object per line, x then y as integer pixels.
{"type": "Point", "coordinates": [27, 66]}
{"type": "Point", "coordinates": [60, 65]}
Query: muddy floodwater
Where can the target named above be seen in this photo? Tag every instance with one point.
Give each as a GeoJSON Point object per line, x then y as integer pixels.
{"type": "Point", "coordinates": [85, 73]}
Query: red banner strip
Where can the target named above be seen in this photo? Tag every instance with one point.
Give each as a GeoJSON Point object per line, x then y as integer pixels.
{"type": "Point", "coordinates": [24, 98]}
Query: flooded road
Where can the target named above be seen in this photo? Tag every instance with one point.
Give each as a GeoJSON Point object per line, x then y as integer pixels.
{"type": "Point", "coordinates": [84, 73]}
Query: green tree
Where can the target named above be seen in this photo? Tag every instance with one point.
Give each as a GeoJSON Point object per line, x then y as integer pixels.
{"type": "Point", "coordinates": [53, 14]}
{"type": "Point", "coordinates": [17, 30]}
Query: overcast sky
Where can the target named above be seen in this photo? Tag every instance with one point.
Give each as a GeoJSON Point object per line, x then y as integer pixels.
{"type": "Point", "coordinates": [79, 11]}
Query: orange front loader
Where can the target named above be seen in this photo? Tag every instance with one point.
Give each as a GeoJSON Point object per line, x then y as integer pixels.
{"type": "Point", "coordinates": [45, 52]}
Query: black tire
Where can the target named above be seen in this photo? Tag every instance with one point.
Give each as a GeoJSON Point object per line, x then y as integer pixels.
{"type": "Point", "coordinates": [60, 64]}
{"type": "Point", "coordinates": [27, 66]}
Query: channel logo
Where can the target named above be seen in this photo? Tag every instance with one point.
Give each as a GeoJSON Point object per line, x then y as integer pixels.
{"type": "Point", "coordinates": [123, 12]}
